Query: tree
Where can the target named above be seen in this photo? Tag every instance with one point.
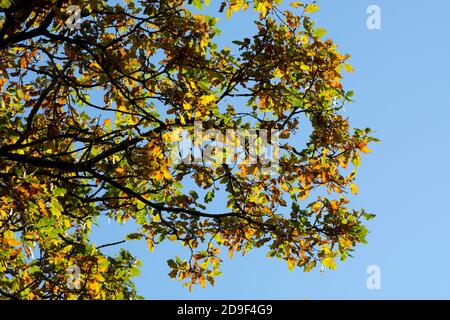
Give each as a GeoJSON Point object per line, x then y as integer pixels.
{"type": "Point", "coordinates": [68, 157]}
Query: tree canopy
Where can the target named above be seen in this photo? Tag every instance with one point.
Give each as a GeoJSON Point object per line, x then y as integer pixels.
{"type": "Point", "coordinates": [88, 116]}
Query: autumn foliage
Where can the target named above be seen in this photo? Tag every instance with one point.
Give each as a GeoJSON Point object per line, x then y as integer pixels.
{"type": "Point", "coordinates": [87, 117]}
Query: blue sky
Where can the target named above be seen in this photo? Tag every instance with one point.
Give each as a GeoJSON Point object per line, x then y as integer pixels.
{"type": "Point", "coordinates": [402, 86]}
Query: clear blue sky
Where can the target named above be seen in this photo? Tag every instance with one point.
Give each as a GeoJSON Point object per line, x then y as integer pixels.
{"type": "Point", "coordinates": [402, 85]}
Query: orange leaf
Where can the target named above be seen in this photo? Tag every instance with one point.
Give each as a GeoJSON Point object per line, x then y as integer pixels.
{"type": "Point", "coordinates": [262, 102]}
{"type": "Point", "coordinates": [202, 282]}
{"type": "Point", "coordinates": [244, 171]}
{"type": "Point", "coordinates": [363, 147]}
{"type": "Point", "coordinates": [42, 206]}
{"type": "Point", "coordinates": [13, 242]}
{"type": "Point", "coordinates": [23, 62]}
{"type": "Point", "coordinates": [120, 170]}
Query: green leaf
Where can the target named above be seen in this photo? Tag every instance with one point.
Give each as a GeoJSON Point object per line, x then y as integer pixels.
{"type": "Point", "coordinates": [320, 32]}
{"type": "Point", "coordinates": [368, 216]}
{"type": "Point", "coordinates": [134, 236]}
{"type": "Point", "coordinates": [55, 207]}
{"type": "Point", "coordinates": [60, 192]}
{"type": "Point", "coordinates": [198, 4]}
{"type": "Point", "coordinates": [4, 4]}
{"type": "Point", "coordinates": [84, 116]}
{"type": "Point", "coordinates": [135, 272]}
{"type": "Point", "coordinates": [34, 269]}
{"type": "Point", "coordinates": [193, 194]}
{"type": "Point", "coordinates": [356, 159]}
{"type": "Point", "coordinates": [362, 233]}
{"type": "Point", "coordinates": [209, 196]}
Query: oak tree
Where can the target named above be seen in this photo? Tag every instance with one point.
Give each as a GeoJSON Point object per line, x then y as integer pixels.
{"type": "Point", "coordinates": [88, 116]}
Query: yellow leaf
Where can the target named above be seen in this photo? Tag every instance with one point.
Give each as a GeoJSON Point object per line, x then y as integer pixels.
{"type": "Point", "coordinates": [353, 188]}
{"type": "Point", "coordinates": [205, 100]}
{"type": "Point", "coordinates": [291, 264]}
{"type": "Point", "coordinates": [296, 4]}
{"type": "Point", "coordinates": [277, 73]}
{"type": "Point", "coordinates": [304, 194]}
{"type": "Point", "coordinates": [150, 244]}
{"type": "Point", "coordinates": [262, 7]}
{"type": "Point", "coordinates": [166, 173]}
{"type": "Point", "coordinates": [329, 263]}
{"type": "Point", "coordinates": [229, 13]}
{"type": "Point", "coordinates": [348, 67]}
{"type": "Point", "coordinates": [182, 275]}
{"type": "Point", "coordinates": [316, 206]}
{"type": "Point", "coordinates": [187, 106]}
{"type": "Point", "coordinates": [311, 8]}
{"type": "Point", "coordinates": [94, 286]}
{"type": "Point", "coordinates": [365, 150]}
{"type": "Point", "coordinates": [99, 278]}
